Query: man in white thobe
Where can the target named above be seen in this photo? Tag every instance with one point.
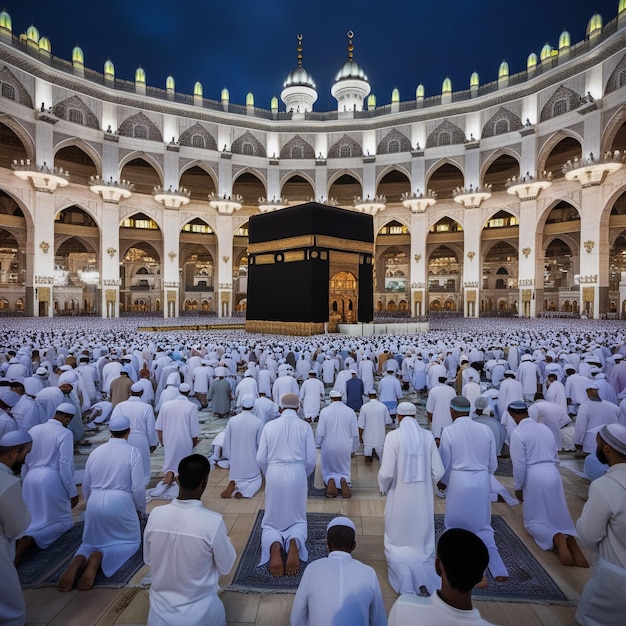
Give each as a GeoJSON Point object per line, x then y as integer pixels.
{"type": "Point", "coordinates": [601, 528]}
{"type": "Point", "coordinates": [187, 549]}
{"type": "Point", "coordinates": [373, 419]}
{"type": "Point", "coordinates": [438, 407]}
{"type": "Point", "coordinates": [468, 452]}
{"type": "Point", "coordinates": [113, 486]}
{"type": "Point", "coordinates": [539, 486]}
{"type": "Point", "coordinates": [510, 390]}
{"type": "Point", "coordinates": [286, 456]}
{"type": "Point", "coordinates": [528, 375]}
{"type": "Point", "coordinates": [592, 415]}
{"type": "Point", "coordinates": [142, 425]}
{"type": "Point", "coordinates": [178, 430]}
{"type": "Point", "coordinates": [555, 391]}
{"type": "Point", "coordinates": [14, 519]}
{"type": "Point", "coordinates": [265, 408]}
{"type": "Point", "coordinates": [337, 436]}
{"type": "Point", "coordinates": [555, 417]}
{"type": "Point", "coordinates": [246, 387]}
{"type": "Point", "coordinates": [311, 396]}
{"type": "Point", "coordinates": [389, 389]}
{"type": "Point", "coordinates": [339, 589]}
{"type": "Point", "coordinates": [240, 445]}
{"type": "Point", "coordinates": [410, 465]}
{"type": "Point", "coordinates": [285, 383]}
{"type": "Point", "coordinates": [49, 489]}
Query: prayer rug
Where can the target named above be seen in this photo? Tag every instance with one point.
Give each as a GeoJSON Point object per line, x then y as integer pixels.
{"type": "Point", "coordinates": [505, 467]}
{"type": "Point", "coordinates": [43, 568]}
{"type": "Point", "coordinates": [314, 492]}
{"type": "Point", "coordinates": [528, 582]}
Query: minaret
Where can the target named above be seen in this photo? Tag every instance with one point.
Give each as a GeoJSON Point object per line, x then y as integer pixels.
{"type": "Point", "coordinates": [299, 92]}
{"type": "Point", "coordinates": [351, 86]}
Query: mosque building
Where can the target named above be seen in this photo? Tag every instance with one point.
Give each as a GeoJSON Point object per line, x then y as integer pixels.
{"type": "Point", "coordinates": [502, 198]}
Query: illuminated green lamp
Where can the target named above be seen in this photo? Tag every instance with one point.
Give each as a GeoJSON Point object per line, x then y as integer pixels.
{"type": "Point", "coordinates": [44, 46]}
{"type": "Point", "coordinates": [419, 92]}
{"type": "Point", "coordinates": [594, 28]}
{"type": "Point", "coordinates": [274, 105]}
{"type": "Point", "coordinates": [446, 87]}
{"type": "Point", "coordinates": [197, 89]}
{"type": "Point", "coordinates": [5, 21]}
{"type": "Point", "coordinates": [250, 99]}
{"type": "Point", "coordinates": [474, 80]}
{"type": "Point", "coordinates": [546, 53]}
{"type": "Point", "coordinates": [531, 63]}
{"type": "Point", "coordinates": [140, 76]}
{"type": "Point", "coordinates": [395, 96]}
{"type": "Point", "coordinates": [32, 35]}
{"type": "Point", "coordinates": [503, 71]}
{"type": "Point", "coordinates": [225, 95]}
{"type": "Point", "coordinates": [109, 70]}
{"type": "Point", "coordinates": [564, 41]}
{"type": "Point", "coordinates": [371, 102]}
{"type": "Point", "coordinates": [169, 83]}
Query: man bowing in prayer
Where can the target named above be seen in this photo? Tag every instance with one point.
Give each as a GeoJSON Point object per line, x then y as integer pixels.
{"type": "Point", "coordinates": [286, 456]}
{"type": "Point", "coordinates": [113, 486]}
{"type": "Point", "coordinates": [410, 465]}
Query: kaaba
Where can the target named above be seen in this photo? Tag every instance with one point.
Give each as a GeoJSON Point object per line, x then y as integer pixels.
{"type": "Point", "coordinates": [310, 267]}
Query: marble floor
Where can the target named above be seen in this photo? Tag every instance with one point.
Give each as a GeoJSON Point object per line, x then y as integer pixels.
{"type": "Point", "coordinates": [129, 606]}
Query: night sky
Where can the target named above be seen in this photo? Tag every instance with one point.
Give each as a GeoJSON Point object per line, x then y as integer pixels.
{"type": "Point", "coordinates": [250, 45]}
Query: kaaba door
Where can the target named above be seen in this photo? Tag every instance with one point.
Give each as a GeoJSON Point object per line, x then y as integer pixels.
{"type": "Point", "coordinates": [343, 298]}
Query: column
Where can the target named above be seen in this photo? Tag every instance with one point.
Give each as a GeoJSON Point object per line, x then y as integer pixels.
{"type": "Point", "coordinates": [110, 261]}
{"type": "Point", "coordinates": [594, 283]}
{"type": "Point", "coordinates": [530, 258]}
{"type": "Point", "coordinates": [471, 262]}
{"type": "Point", "coordinates": [43, 266]}
{"type": "Point", "coordinates": [418, 264]}
{"type": "Point", "coordinates": [170, 275]}
{"type": "Point", "coordinates": [225, 225]}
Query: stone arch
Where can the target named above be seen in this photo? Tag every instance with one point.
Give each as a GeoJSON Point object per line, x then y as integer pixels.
{"type": "Point", "coordinates": [437, 164]}
{"type": "Point", "coordinates": [191, 137]}
{"type": "Point", "coordinates": [605, 212]}
{"type": "Point", "coordinates": [487, 245]}
{"type": "Point", "coordinates": [347, 147]}
{"type": "Point", "coordinates": [254, 172]}
{"type": "Point", "coordinates": [73, 204]}
{"type": "Point", "coordinates": [563, 100]}
{"type": "Point", "coordinates": [291, 173]}
{"type": "Point", "coordinates": [74, 110]}
{"type": "Point", "coordinates": [12, 88]}
{"type": "Point", "coordinates": [617, 78]}
{"type": "Point", "coordinates": [513, 211]}
{"type": "Point", "coordinates": [391, 168]}
{"type": "Point", "coordinates": [545, 150]}
{"type": "Point", "coordinates": [59, 240]}
{"type": "Point", "coordinates": [445, 134]}
{"type": "Point", "coordinates": [144, 156]}
{"type": "Point", "coordinates": [392, 140]}
{"type": "Point", "coordinates": [185, 218]}
{"type": "Point", "coordinates": [543, 216]}
{"type": "Point", "coordinates": [25, 209]}
{"type": "Point", "coordinates": [299, 147]}
{"type": "Point", "coordinates": [436, 218]}
{"type": "Point", "coordinates": [140, 126]}
{"type": "Point", "coordinates": [501, 122]}
{"type": "Point", "coordinates": [339, 173]}
{"type": "Point", "coordinates": [612, 128]}
{"type": "Point", "coordinates": [240, 145]}
{"type": "Point", "coordinates": [23, 135]}
{"type": "Point", "coordinates": [86, 147]}
{"type": "Point", "coordinates": [148, 211]}
{"type": "Point", "coordinates": [494, 156]}
{"type": "Point", "coordinates": [204, 166]}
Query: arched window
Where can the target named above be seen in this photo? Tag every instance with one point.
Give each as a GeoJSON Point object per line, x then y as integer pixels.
{"type": "Point", "coordinates": [393, 146]}
{"type": "Point", "coordinates": [76, 116]}
{"type": "Point", "coordinates": [445, 139]}
{"type": "Point", "coordinates": [248, 149]}
{"type": "Point", "coordinates": [345, 152]}
{"type": "Point", "coordinates": [197, 141]}
{"type": "Point", "coordinates": [8, 91]}
{"type": "Point", "coordinates": [502, 126]}
{"type": "Point", "coordinates": [296, 152]}
{"type": "Point", "coordinates": [140, 132]}
{"type": "Point", "coordinates": [559, 107]}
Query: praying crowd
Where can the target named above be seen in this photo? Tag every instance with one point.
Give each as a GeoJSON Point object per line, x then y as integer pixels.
{"type": "Point", "coordinates": [527, 392]}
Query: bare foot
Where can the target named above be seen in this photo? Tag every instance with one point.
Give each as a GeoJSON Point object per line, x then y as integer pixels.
{"type": "Point", "coordinates": [169, 478]}
{"type": "Point", "coordinates": [565, 556]}
{"type": "Point", "coordinates": [576, 552]}
{"type": "Point", "coordinates": [277, 567]}
{"type": "Point", "coordinates": [293, 559]}
{"type": "Point", "coordinates": [501, 579]}
{"type": "Point", "coordinates": [331, 489]}
{"type": "Point", "coordinates": [346, 492]}
{"type": "Point", "coordinates": [66, 581]}
{"type": "Point", "coordinates": [483, 583]}
{"type": "Point", "coordinates": [86, 581]}
{"type": "Point", "coordinates": [228, 492]}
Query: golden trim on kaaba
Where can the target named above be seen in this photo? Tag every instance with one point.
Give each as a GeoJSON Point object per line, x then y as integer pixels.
{"type": "Point", "coordinates": [264, 259]}
{"type": "Point", "coordinates": [304, 241]}
{"type": "Point", "coordinates": [297, 255]}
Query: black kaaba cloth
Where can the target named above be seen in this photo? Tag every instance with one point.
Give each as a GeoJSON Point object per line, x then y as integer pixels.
{"type": "Point", "coordinates": [291, 254]}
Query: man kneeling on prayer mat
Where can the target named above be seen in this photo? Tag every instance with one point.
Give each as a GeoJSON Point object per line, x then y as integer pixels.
{"type": "Point", "coordinates": [339, 589]}
{"type": "Point", "coordinates": [187, 548]}
{"type": "Point", "coordinates": [462, 557]}
{"type": "Point", "coordinates": [114, 489]}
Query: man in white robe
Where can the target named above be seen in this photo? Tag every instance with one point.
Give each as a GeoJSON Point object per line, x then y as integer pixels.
{"type": "Point", "coordinates": [554, 417]}
{"type": "Point", "coordinates": [410, 465]}
{"type": "Point", "coordinates": [337, 436]}
{"type": "Point", "coordinates": [311, 396]}
{"type": "Point", "coordinates": [367, 371]}
{"type": "Point", "coordinates": [113, 486]}
{"type": "Point", "coordinates": [555, 391]}
{"type": "Point", "coordinates": [389, 389]}
{"type": "Point", "coordinates": [285, 383]}
{"type": "Point", "coordinates": [510, 390]}
{"type": "Point", "coordinates": [461, 560]}
{"type": "Point", "coordinates": [265, 408]}
{"type": "Point", "coordinates": [177, 430]}
{"type": "Point", "coordinates": [592, 415]}
{"type": "Point", "coordinates": [286, 456]}
{"type": "Point", "coordinates": [246, 387]}
{"type": "Point", "coordinates": [339, 589]}
{"type": "Point", "coordinates": [601, 529]}
{"type": "Point", "coordinates": [187, 549]}
{"type": "Point", "coordinates": [539, 486]}
{"type": "Point", "coordinates": [240, 445]}
{"type": "Point", "coordinates": [49, 489]}
{"type": "Point", "coordinates": [469, 456]}
{"type": "Point", "coordinates": [438, 407]}
{"type": "Point", "coordinates": [142, 425]}
{"type": "Point", "coordinates": [528, 375]}
{"type": "Point", "coordinates": [372, 422]}
{"type": "Point", "coordinates": [14, 519]}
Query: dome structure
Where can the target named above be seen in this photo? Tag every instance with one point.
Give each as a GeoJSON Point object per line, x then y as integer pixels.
{"type": "Point", "coordinates": [5, 21]}
{"type": "Point", "coordinates": [564, 41]}
{"type": "Point", "coordinates": [503, 70]}
{"type": "Point", "coordinates": [197, 89]}
{"type": "Point", "coordinates": [446, 86]}
{"type": "Point", "coordinates": [531, 63]}
{"type": "Point", "coordinates": [225, 95]}
{"type": "Point", "coordinates": [140, 75]}
{"type": "Point", "coordinates": [546, 53]}
{"type": "Point", "coordinates": [594, 28]}
{"type": "Point", "coordinates": [419, 92]}
{"type": "Point", "coordinates": [44, 46]}
{"type": "Point", "coordinates": [351, 86]}
{"type": "Point", "coordinates": [250, 99]}
{"type": "Point", "coordinates": [474, 80]}
{"type": "Point", "coordinates": [78, 56]}
{"type": "Point", "coordinates": [299, 92]}
{"type": "Point", "coordinates": [109, 70]}
{"type": "Point", "coordinates": [170, 84]}
{"type": "Point", "coordinates": [395, 95]}
{"type": "Point", "coordinates": [32, 35]}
